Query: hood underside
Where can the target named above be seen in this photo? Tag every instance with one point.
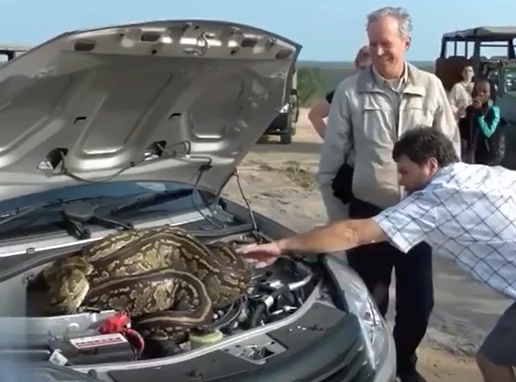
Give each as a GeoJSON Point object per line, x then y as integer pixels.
{"type": "Point", "coordinates": [160, 100]}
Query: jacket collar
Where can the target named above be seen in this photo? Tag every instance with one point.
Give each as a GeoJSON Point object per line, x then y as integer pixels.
{"type": "Point", "coordinates": [368, 82]}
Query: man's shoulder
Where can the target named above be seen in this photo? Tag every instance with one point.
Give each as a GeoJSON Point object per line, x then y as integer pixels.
{"type": "Point", "coordinates": [465, 176]}
{"type": "Point", "coordinates": [424, 78]}
{"type": "Point", "coordinates": [347, 85]}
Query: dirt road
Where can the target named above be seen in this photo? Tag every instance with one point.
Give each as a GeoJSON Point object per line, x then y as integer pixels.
{"type": "Point", "coordinates": [279, 181]}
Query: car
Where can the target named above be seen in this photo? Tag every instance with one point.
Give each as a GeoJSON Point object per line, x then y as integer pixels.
{"type": "Point", "coordinates": [9, 52]}
{"type": "Point", "coordinates": [284, 124]}
{"type": "Point", "coordinates": [139, 126]}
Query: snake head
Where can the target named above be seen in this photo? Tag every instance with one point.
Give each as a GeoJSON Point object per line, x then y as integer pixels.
{"type": "Point", "coordinates": [51, 273]}
{"type": "Point", "coordinates": [67, 291]}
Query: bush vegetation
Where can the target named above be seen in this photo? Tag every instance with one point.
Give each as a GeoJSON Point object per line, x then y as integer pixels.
{"type": "Point", "coordinates": [314, 78]}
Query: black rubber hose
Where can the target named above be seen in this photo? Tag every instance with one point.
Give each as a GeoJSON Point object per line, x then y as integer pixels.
{"type": "Point", "coordinates": [257, 315]}
{"type": "Point", "coordinates": [265, 304]}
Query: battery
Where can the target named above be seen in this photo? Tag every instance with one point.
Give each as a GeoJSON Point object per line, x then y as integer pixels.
{"type": "Point", "coordinates": [93, 349]}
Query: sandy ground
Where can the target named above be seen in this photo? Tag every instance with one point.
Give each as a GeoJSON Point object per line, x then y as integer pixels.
{"type": "Point", "coordinates": [278, 181]}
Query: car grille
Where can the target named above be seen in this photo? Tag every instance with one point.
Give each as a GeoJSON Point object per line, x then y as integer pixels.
{"type": "Point", "coordinates": [355, 367]}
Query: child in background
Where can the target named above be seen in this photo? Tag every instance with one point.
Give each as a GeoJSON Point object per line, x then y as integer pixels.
{"type": "Point", "coordinates": [481, 131]}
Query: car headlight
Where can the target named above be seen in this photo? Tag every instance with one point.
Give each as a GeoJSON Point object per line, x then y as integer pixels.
{"type": "Point", "coordinates": [361, 304]}
{"type": "Point", "coordinates": [285, 108]}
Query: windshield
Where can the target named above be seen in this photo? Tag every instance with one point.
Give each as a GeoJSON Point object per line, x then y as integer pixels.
{"type": "Point", "coordinates": [44, 220]}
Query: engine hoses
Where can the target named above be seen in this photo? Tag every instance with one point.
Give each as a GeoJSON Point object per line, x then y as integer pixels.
{"type": "Point", "coordinates": [291, 291]}
{"type": "Point", "coordinates": [266, 304]}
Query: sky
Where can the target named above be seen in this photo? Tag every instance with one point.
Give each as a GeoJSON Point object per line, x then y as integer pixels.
{"type": "Point", "coordinates": [330, 30]}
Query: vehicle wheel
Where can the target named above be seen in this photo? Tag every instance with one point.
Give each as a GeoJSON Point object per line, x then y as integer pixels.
{"type": "Point", "coordinates": [286, 136]}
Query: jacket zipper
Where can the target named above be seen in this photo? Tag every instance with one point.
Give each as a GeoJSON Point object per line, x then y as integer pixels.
{"type": "Point", "coordinates": [398, 134]}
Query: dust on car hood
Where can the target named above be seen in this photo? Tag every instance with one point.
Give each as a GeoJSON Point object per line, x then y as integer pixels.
{"type": "Point", "coordinates": [179, 101]}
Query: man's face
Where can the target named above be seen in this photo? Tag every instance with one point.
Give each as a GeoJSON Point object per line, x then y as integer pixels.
{"type": "Point", "coordinates": [386, 45]}
{"type": "Point", "coordinates": [414, 177]}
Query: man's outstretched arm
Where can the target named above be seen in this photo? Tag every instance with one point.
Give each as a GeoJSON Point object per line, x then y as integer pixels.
{"type": "Point", "coordinates": [337, 236]}
{"type": "Point", "coordinates": [405, 225]}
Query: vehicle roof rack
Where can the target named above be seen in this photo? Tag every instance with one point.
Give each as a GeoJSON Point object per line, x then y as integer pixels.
{"type": "Point", "coordinates": [484, 33]}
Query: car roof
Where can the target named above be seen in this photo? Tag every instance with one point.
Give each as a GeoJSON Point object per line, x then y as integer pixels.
{"type": "Point", "coordinates": [483, 33]}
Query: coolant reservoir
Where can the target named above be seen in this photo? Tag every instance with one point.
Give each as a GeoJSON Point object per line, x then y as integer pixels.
{"type": "Point", "coordinates": [198, 340]}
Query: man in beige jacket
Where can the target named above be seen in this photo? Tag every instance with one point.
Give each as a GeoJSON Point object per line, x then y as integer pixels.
{"type": "Point", "coordinates": [369, 112]}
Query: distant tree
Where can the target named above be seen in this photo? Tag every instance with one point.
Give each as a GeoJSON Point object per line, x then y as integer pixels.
{"type": "Point", "coordinates": [309, 84]}
{"type": "Point", "coordinates": [332, 73]}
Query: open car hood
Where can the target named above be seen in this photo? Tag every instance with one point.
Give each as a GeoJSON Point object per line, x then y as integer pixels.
{"type": "Point", "coordinates": [176, 101]}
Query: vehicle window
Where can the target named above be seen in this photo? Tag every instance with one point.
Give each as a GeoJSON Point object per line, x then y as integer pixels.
{"type": "Point", "coordinates": [459, 48]}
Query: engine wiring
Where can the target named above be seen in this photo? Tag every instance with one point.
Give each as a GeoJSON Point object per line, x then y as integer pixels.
{"type": "Point", "coordinates": [173, 154]}
{"type": "Point", "coordinates": [236, 174]}
{"type": "Point", "coordinates": [121, 323]}
{"type": "Point", "coordinates": [195, 190]}
{"type": "Point", "coordinates": [65, 171]}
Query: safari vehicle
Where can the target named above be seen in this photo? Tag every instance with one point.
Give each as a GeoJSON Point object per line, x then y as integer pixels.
{"type": "Point", "coordinates": [469, 46]}
{"type": "Point", "coordinates": [10, 52]}
{"type": "Point", "coordinates": [129, 127]}
{"type": "Point", "coordinates": [284, 125]}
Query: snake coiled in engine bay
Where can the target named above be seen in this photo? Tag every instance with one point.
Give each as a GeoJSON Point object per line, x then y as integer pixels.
{"type": "Point", "coordinates": [165, 278]}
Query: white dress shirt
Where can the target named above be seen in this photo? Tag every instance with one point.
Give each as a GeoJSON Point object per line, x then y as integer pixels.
{"type": "Point", "coordinates": [466, 212]}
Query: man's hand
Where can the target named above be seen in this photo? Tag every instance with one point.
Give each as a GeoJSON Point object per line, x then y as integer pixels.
{"type": "Point", "coordinates": [261, 255]}
{"type": "Point", "coordinates": [334, 237]}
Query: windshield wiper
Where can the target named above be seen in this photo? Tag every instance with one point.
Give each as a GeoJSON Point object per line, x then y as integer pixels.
{"type": "Point", "coordinates": [148, 200]}
{"type": "Point", "coordinates": [78, 212]}
{"type": "Point", "coordinates": [9, 216]}
{"type": "Point", "coordinates": [81, 213]}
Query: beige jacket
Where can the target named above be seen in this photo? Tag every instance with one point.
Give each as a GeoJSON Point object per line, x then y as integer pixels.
{"type": "Point", "coordinates": [364, 121]}
{"type": "Point", "coordinates": [460, 96]}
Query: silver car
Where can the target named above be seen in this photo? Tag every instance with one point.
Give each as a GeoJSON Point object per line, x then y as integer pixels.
{"type": "Point", "coordinates": [141, 125]}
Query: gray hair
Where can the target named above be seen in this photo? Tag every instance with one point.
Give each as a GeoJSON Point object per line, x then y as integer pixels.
{"type": "Point", "coordinates": [398, 13]}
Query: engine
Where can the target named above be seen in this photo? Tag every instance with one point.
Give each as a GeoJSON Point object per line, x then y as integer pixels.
{"type": "Point", "coordinates": [275, 292]}
{"type": "Point", "coordinates": [93, 337]}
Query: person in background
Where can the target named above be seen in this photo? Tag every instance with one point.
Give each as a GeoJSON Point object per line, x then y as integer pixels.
{"type": "Point", "coordinates": [460, 94]}
{"type": "Point", "coordinates": [481, 129]}
{"type": "Point", "coordinates": [319, 111]}
{"type": "Point", "coordinates": [369, 111]}
{"type": "Point", "coordinates": [466, 212]}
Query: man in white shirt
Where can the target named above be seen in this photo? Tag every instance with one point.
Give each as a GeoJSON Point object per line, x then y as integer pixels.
{"type": "Point", "coordinates": [466, 212]}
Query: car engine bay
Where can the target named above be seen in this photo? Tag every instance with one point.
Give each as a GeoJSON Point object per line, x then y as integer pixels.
{"type": "Point", "coordinates": [93, 337]}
